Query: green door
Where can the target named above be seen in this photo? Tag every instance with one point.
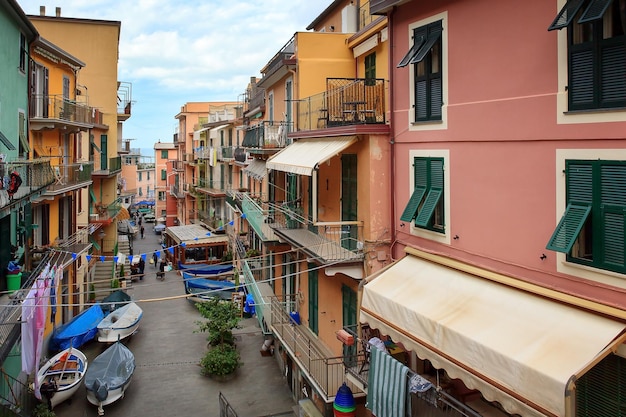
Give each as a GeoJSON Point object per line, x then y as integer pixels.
{"type": "Point", "coordinates": [313, 299]}
{"type": "Point", "coordinates": [104, 160]}
{"type": "Point", "coordinates": [348, 303]}
{"type": "Point", "coordinates": [349, 234]}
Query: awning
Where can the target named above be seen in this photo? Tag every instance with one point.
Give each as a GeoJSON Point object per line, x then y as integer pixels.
{"type": "Point", "coordinates": [196, 134]}
{"type": "Point", "coordinates": [517, 348]}
{"type": "Point", "coordinates": [123, 214]}
{"type": "Point", "coordinates": [256, 169]}
{"type": "Point", "coordinates": [214, 132]}
{"type": "Point", "coordinates": [304, 156]}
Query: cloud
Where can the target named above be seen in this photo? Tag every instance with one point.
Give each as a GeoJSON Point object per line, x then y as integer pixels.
{"type": "Point", "coordinates": [174, 52]}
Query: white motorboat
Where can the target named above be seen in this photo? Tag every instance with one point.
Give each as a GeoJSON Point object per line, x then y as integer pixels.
{"type": "Point", "coordinates": [60, 377]}
{"type": "Point", "coordinates": [109, 375]}
{"type": "Point", "coordinates": [120, 323]}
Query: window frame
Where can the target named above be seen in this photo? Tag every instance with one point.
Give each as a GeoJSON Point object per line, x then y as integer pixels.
{"type": "Point", "coordinates": [441, 123]}
{"type": "Point", "coordinates": [424, 230]}
{"type": "Point", "coordinates": [587, 95]}
{"type": "Point", "coordinates": [23, 47]}
{"type": "Point", "coordinates": [563, 265]}
{"type": "Point", "coordinates": [164, 154]}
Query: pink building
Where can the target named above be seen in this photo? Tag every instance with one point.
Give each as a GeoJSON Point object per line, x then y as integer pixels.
{"type": "Point", "coordinates": [509, 150]}
{"type": "Point", "coordinates": [164, 155]}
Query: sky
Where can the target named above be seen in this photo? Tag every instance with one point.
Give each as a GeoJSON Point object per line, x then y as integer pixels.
{"type": "Point", "coordinates": [179, 51]}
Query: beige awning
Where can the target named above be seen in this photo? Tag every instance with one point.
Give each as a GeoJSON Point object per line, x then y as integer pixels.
{"type": "Point", "coordinates": [256, 169]}
{"type": "Point", "coordinates": [303, 157]}
{"type": "Point", "coordinates": [517, 348]}
{"type": "Point", "coordinates": [197, 133]}
{"type": "Point", "coordinates": [195, 235]}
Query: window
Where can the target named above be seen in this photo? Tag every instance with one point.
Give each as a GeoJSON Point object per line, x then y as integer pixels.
{"type": "Point", "coordinates": [161, 195]}
{"type": "Point", "coordinates": [596, 52]}
{"type": "Point", "coordinates": [139, 176]}
{"type": "Point", "coordinates": [370, 69]}
{"type": "Point", "coordinates": [148, 174]}
{"type": "Point", "coordinates": [164, 154]}
{"type": "Point", "coordinates": [163, 174]}
{"type": "Point", "coordinates": [426, 205]}
{"type": "Point", "coordinates": [140, 191]}
{"type": "Point", "coordinates": [24, 147]}
{"type": "Point", "coordinates": [270, 106]}
{"type": "Point", "coordinates": [23, 53]}
{"type": "Point", "coordinates": [592, 231]}
{"type": "Point", "coordinates": [426, 57]}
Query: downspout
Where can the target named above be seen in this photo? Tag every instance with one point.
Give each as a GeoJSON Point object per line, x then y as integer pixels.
{"type": "Point", "coordinates": [392, 158]}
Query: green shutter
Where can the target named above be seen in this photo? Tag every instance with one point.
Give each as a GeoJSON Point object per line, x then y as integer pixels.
{"type": "Point", "coordinates": [566, 14]}
{"type": "Point", "coordinates": [410, 211]}
{"type": "Point", "coordinates": [579, 182]}
{"type": "Point", "coordinates": [569, 227]}
{"type": "Point", "coordinates": [613, 75]}
{"type": "Point", "coordinates": [594, 11]}
{"type": "Point", "coordinates": [613, 229]}
{"type": "Point", "coordinates": [581, 86]}
{"type": "Point", "coordinates": [426, 213]}
{"type": "Point", "coordinates": [313, 299]}
{"type": "Point", "coordinates": [163, 174]}
{"type": "Point", "coordinates": [92, 195]}
{"type": "Point", "coordinates": [601, 392]}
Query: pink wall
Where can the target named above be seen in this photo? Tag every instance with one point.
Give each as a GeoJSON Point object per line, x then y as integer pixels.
{"type": "Point", "coordinates": [502, 135]}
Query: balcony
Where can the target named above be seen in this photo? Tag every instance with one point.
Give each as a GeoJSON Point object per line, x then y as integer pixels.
{"type": "Point", "coordinates": [178, 165]}
{"type": "Point", "coordinates": [260, 216]}
{"type": "Point", "coordinates": [345, 102]}
{"type": "Point", "coordinates": [107, 167]}
{"type": "Point", "coordinates": [267, 137]}
{"type": "Point", "coordinates": [50, 112]}
{"type": "Point", "coordinates": [124, 100]}
{"type": "Point", "coordinates": [277, 67]}
{"type": "Point", "coordinates": [177, 191]}
{"type": "Point", "coordinates": [70, 177]}
{"type": "Point", "coordinates": [326, 372]}
{"type": "Point", "coordinates": [212, 188]}
{"type": "Point", "coordinates": [35, 176]}
{"type": "Point", "coordinates": [328, 242]}
{"type": "Point", "coordinates": [104, 213]}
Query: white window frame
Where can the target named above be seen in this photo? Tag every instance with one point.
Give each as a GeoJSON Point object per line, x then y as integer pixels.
{"type": "Point", "coordinates": [444, 237]}
{"type": "Point", "coordinates": [430, 124]}
{"type": "Point", "coordinates": [562, 265]}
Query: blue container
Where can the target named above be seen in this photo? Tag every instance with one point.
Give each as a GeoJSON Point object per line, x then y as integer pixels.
{"type": "Point", "coordinates": [344, 400]}
{"type": "Point", "coordinates": [295, 317]}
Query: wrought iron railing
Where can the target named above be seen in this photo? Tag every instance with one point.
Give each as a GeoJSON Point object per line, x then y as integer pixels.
{"type": "Point", "coordinates": [69, 175]}
{"type": "Point", "coordinates": [20, 179]}
{"type": "Point", "coordinates": [345, 102]}
{"type": "Point", "coordinates": [60, 108]}
{"type": "Point", "coordinates": [125, 97]}
{"type": "Point", "coordinates": [324, 371]}
{"type": "Point", "coordinates": [277, 60]}
{"type": "Point", "coordinates": [267, 135]}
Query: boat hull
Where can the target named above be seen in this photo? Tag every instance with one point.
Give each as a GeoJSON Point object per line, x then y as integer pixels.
{"type": "Point", "coordinates": [77, 331]}
{"type": "Point", "coordinates": [120, 324]}
{"type": "Point", "coordinates": [68, 374]}
{"type": "Point", "coordinates": [204, 289]}
{"type": "Point", "coordinates": [113, 395]}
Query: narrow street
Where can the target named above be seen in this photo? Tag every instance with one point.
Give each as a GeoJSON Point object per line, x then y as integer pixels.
{"type": "Point", "coordinates": [167, 380]}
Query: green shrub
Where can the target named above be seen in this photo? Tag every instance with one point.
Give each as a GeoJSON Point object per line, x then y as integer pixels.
{"type": "Point", "coordinates": [41, 410]}
{"type": "Point", "coordinates": [222, 317]}
{"type": "Point", "coordinates": [220, 360]}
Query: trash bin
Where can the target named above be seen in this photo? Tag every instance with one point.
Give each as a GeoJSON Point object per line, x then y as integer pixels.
{"type": "Point", "coordinates": [14, 282]}
{"type": "Point", "coordinates": [295, 317]}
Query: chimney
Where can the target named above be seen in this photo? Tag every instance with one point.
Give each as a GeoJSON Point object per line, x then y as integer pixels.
{"type": "Point", "coordinates": [42, 10]}
{"type": "Point", "coordinates": [58, 12]}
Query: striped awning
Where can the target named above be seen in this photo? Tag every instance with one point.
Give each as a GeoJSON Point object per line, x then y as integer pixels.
{"type": "Point", "coordinates": [305, 155]}
{"type": "Point", "coordinates": [256, 169]}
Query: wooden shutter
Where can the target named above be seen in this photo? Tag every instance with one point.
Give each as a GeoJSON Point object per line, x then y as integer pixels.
{"type": "Point", "coordinates": [568, 228]}
{"type": "Point", "coordinates": [594, 11]}
{"type": "Point", "coordinates": [430, 203]}
{"type": "Point", "coordinates": [579, 182]}
{"type": "Point", "coordinates": [601, 392]}
{"type": "Point", "coordinates": [566, 14]}
{"type": "Point", "coordinates": [581, 80]}
{"type": "Point", "coordinates": [410, 211]}
{"type": "Point", "coordinates": [612, 205]}
{"type": "Point", "coordinates": [613, 75]}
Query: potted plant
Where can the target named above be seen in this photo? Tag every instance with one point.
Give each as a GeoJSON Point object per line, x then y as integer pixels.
{"type": "Point", "coordinates": [42, 410]}
{"type": "Point", "coordinates": [92, 293]}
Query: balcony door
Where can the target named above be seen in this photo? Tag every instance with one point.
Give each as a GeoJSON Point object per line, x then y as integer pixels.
{"type": "Point", "coordinates": [348, 302]}
{"type": "Point", "coordinates": [349, 200]}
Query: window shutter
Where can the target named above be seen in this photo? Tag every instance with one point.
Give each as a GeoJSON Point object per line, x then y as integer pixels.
{"type": "Point", "coordinates": [594, 11]}
{"type": "Point", "coordinates": [579, 183]}
{"type": "Point", "coordinates": [428, 208]}
{"type": "Point", "coordinates": [613, 229]}
{"type": "Point", "coordinates": [568, 228]}
{"type": "Point", "coordinates": [613, 203]}
{"type": "Point", "coordinates": [411, 208]}
{"type": "Point", "coordinates": [613, 74]}
{"type": "Point", "coordinates": [581, 79]}
{"type": "Point", "coordinates": [566, 14]}
{"type": "Point", "coordinates": [613, 185]}
{"type": "Point", "coordinates": [600, 392]}
{"type": "Point", "coordinates": [435, 98]}
{"type": "Point", "coordinates": [420, 100]}
{"type": "Point", "coordinates": [433, 36]}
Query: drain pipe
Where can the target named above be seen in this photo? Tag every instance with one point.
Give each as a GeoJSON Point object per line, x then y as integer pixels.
{"type": "Point", "coordinates": [392, 152]}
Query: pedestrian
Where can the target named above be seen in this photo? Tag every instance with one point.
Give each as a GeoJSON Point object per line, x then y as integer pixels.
{"type": "Point", "coordinates": [142, 230]}
{"type": "Point", "coordinates": [161, 273]}
{"type": "Point", "coordinates": [142, 267]}
{"type": "Point", "coordinates": [155, 259]}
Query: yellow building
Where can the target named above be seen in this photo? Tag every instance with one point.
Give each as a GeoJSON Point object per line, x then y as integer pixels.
{"type": "Point", "coordinates": [96, 44]}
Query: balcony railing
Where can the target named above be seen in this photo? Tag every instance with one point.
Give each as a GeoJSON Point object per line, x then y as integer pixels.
{"type": "Point", "coordinates": [327, 373]}
{"type": "Point", "coordinates": [107, 166]}
{"type": "Point", "coordinates": [59, 108]}
{"type": "Point", "coordinates": [259, 215]}
{"type": "Point", "coordinates": [267, 135]}
{"type": "Point", "coordinates": [178, 165]}
{"type": "Point", "coordinates": [328, 242]}
{"type": "Point", "coordinates": [345, 102]}
{"type": "Point", "coordinates": [277, 60]}
{"type": "Point", "coordinates": [177, 191]}
{"type": "Point", "coordinates": [257, 100]}
{"type": "Point", "coordinates": [105, 213]}
{"type": "Point", "coordinates": [34, 175]}
{"type": "Point", "coordinates": [125, 97]}
{"type": "Point", "coordinates": [72, 175]}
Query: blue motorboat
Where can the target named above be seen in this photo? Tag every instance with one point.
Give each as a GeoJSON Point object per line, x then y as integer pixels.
{"type": "Point", "coordinates": [205, 269]}
{"type": "Point", "coordinates": [202, 289]}
{"type": "Point", "coordinates": [77, 331]}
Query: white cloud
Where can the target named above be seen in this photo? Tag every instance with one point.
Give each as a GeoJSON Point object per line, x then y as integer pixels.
{"type": "Point", "coordinates": [189, 50]}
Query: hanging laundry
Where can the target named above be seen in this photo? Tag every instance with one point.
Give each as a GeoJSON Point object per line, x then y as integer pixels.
{"type": "Point", "coordinates": [14, 183]}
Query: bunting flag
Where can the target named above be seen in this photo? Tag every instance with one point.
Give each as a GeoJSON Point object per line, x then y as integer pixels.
{"type": "Point", "coordinates": [243, 216]}
{"type": "Point", "coordinates": [158, 253]}
{"type": "Point", "coordinates": [101, 258]}
{"type": "Point", "coordinates": [116, 259]}
{"type": "Point", "coordinates": [73, 256]}
{"type": "Point", "coordinates": [130, 259]}
{"type": "Point", "coordinates": [195, 238]}
{"type": "Point", "coordinates": [88, 258]}
{"type": "Point", "coordinates": [208, 233]}
{"type": "Point", "coordinates": [143, 256]}
{"type": "Point", "coordinates": [183, 244]}
{"type": "Point", "coordinates": [171, 250]}
{"type": "Point", "coordinates": [231, 223]}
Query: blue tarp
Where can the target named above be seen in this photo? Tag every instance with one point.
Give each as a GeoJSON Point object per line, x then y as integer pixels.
{"type": "Point", "coordinates": [144, 203]}
{"type": "Point", "coordinates": [205, 269]}
{"type": "Point", "coordinates": [78, 331]}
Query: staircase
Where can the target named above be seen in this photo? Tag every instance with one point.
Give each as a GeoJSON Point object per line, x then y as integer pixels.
{"type": "Point", "coordinates": [124, 246]}
{"type": "Point", "coordinates": [102, 277]}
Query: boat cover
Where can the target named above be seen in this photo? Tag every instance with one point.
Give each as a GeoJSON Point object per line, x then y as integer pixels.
{"type": "Point", "coordinates": [78, 331]}
{"type": "Point", "coordinates": [114, 301]}
{"type": "Point", "coordinates": [110, 370]}
{"type": "Point", "coordinates": [205, 269]}
{"type": "Point", "coordinates": [208, 288]}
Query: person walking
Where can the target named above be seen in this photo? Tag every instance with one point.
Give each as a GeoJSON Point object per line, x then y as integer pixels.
{"type": "Point", "coordinates": [155, 259]}
{"type": "Point", "coordinates": [161, 273]}
{"type": "Point", "coordinates": [142, 230]}
{"type": "Point", "coordinates": [142, 267]}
